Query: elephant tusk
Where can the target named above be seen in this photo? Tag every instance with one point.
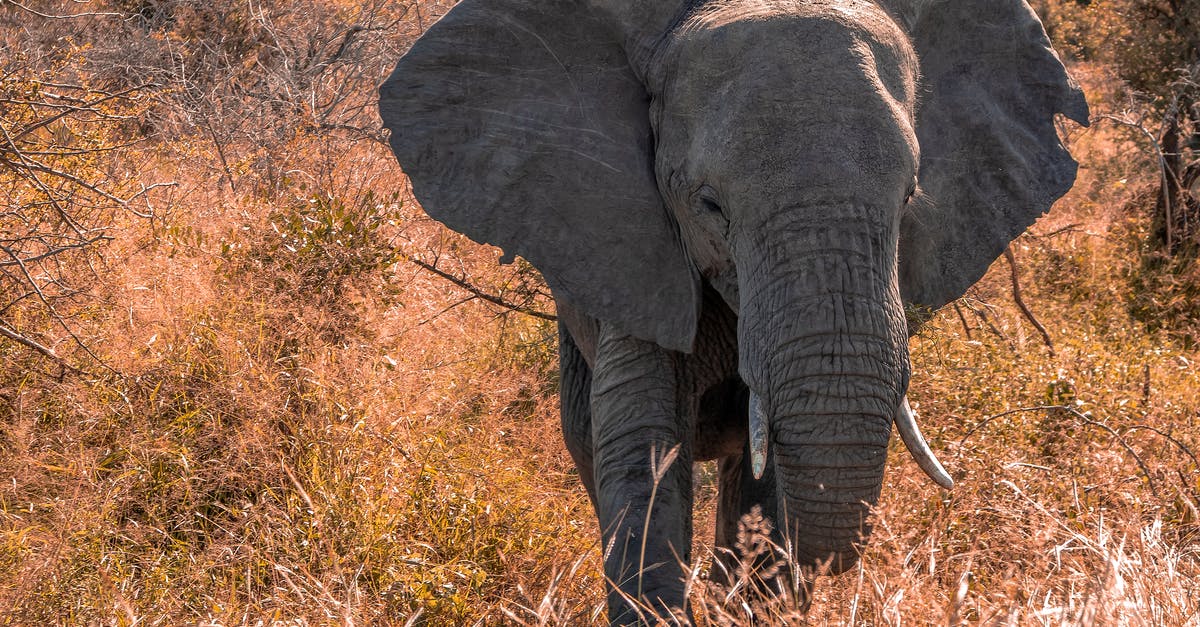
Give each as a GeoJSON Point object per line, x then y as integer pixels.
{"type": "Point", "coordinates": [906, 424]}
{"type": "Point", "coordinates": [758, 436]}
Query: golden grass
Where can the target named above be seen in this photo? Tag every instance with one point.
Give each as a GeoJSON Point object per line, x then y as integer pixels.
{"type": "Point", "coordinates": [295, 426]}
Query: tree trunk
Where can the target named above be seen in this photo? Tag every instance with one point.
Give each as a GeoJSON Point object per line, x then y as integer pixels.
{"type": "Point", "coordinates": [1176, 225]}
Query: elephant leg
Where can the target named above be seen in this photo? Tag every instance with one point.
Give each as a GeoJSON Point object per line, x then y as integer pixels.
{"type": "Point", "coordinates": [575, 386]}
{"type": "Point", "coordinates": [643, 466]}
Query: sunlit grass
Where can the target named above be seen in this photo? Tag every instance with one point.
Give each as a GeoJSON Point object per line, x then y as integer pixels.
{"type": "Point", "coordinates": [291, 424]}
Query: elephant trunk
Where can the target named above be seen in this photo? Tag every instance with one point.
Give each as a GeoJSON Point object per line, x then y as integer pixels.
{"type": "Point", "coordinates": [824, 350]}
{"type": "Point", "coordinates": [829, 432]}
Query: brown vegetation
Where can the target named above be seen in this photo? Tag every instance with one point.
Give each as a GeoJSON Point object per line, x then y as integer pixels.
{"type": "Point", "coordinates": [229, 396]}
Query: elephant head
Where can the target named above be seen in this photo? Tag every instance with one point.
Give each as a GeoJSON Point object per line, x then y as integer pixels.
{"type": "Point", "coordinates": [825, 166]}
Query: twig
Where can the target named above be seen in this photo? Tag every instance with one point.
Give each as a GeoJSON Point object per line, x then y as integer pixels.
{"type": "Point", "coordinates": [491, 298]}
{"type": "Point", "coordinates": [76, 108]}
{"type": "Point", "coordinates": [220, 154]}
{"type": "Point", "coordinates": [50, 253]}
{"type": "Point", "coordinates": [56, 316]}
{"type": "Point", "coordinates": [1059, 231]}
{"type": "Point", "coordinates": [1146, 388]}
{"type": "Point", "coordinates": [15, 301]}
{"type": "Point", "coordinates": [1168, 437]}
{"type": "Point", "coordinates": [1079, 416]}
{"type": "Point", "coordinates": [51, 16]}
{"type": "Point", "coordinates": [988, 323]}
{"type": "Point", "coordinates": [28, 343]}
{"type": "Point", "coordinates": [963, 319]}
{"type": "Point", "coordinates": [1163, 169]}
{"type": "Point", "coordinates": [1016, 290]}
{"type": "Point", "coordinates": [462, 301]}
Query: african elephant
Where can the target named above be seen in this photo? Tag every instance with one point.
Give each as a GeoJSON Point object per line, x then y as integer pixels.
{"type": "Point", "coordinates": [744, 208]}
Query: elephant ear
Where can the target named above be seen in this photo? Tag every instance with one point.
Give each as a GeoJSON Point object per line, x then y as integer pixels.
{"type": "Point", "coordinates": [521, 124]}
{"type": "Point", "coordinates": [991, 158]}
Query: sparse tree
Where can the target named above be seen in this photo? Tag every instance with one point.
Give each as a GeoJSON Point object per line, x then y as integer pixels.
{"type": "Point", "coordinates": [1154, 46]}
{"type": "Point", "coordinates": [59, 199]}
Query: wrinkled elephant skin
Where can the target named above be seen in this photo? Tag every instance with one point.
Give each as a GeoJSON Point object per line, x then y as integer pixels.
{"type": "Point", "coordinates": [742, 207]}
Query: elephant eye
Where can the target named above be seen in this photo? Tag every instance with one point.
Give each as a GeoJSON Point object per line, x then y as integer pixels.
{"type": "Point", "coordinates": [708, 206]}
{"type": "Point", "coordinates": [704, 203]}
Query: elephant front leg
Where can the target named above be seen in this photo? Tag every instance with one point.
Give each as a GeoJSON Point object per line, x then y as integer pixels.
{"type": "Point", "coordinates": [575, 404]}
{"type": "Point", "coordinates": [643, 478]}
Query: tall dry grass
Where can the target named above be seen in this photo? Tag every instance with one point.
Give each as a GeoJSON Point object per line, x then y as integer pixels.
{"type": "Point", "coordinates": [290, 423]}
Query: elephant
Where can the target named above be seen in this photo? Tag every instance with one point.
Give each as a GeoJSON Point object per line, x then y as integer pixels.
{"type": "Point", "coordinates": [744, 209]}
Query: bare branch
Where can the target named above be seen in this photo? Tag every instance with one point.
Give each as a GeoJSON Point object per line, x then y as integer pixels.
{"type": "Point", "coordinates": [987, 321]}
{"type": "Point", "coordinates": [1070, 228]}
{"type": "Point", "coordinates": [491, 298]}
{"type": "Point", "coordinates": [1165, 172]}
{"type": "Point", "coordinates": [51, 16]}
{"type": "Point", "coordinates": [7, 332]}
{"type": "Point", "coordinates": [76, 108]}
{"type": "Point", "coordinates": [963, 319]}
{"type": "Point", "coordinates": [1016, 291]}
{"type": "Point", "coordinates": [17, 260]}
{"type": "Point", "coordinates": [27, 343]}
{"type": "Point", "coordinates": [1080, 417]}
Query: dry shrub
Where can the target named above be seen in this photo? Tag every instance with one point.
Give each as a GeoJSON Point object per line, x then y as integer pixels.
{"type": "Point", "coordinates": [284, 423]}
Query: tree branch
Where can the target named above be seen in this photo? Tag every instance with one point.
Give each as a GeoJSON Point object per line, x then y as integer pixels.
{"type": "Point", "coordinates": [28, 343]}
{"type": "Point", "coordinates": [1016, 290]}
{"type": "Point", "coordinates": [491, 298]}
{"type": "Point", "coordinates": [1082, 418]}
{"type": "Point", "coordinates": [5, 331]}
{"type": "Point", "coordinates": [66, 16]}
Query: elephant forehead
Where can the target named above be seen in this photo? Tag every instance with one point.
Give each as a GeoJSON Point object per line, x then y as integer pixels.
{"type": "Point", "coordinates": [802, 43]}
{"type": "Point", "coordinates": [760, 97]}
{"type": "Point", "coordinates": [846, 11]}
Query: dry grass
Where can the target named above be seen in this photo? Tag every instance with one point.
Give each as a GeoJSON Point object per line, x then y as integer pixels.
{"type": "Point", "coordinates": [293, 425]}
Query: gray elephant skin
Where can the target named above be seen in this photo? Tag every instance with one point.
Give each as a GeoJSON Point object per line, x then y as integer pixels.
{"type": "Point", "coordinates": [742, 208]}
